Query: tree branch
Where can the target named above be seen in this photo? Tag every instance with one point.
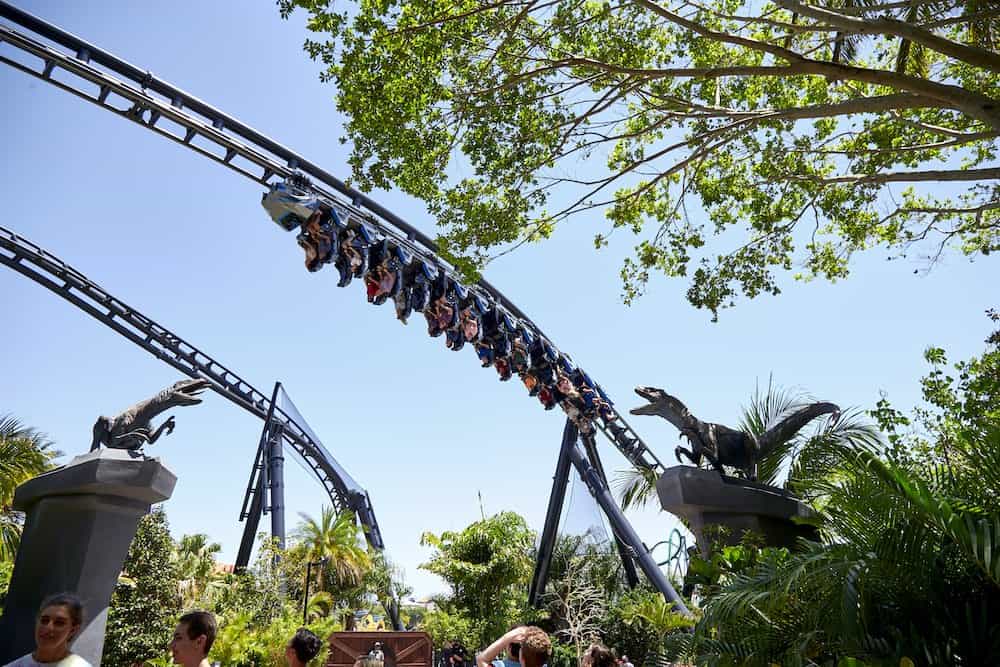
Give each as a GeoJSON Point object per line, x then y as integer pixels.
{"type": "Point", "coordinates": [987, 174]}
{"type": "Point", "coordinates": [977, 106]}
{"type": "Point", "coordinates": [889, 26]}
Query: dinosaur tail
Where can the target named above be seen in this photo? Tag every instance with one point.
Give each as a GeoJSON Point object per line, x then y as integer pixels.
{"type": "Point", "coordinates": [786, 429]}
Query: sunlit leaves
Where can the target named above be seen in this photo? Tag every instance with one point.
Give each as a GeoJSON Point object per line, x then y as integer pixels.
{"type": "Point", "coordinates": [509, 117]}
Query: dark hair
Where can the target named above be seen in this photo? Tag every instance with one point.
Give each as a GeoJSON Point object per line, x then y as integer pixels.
{"type": "Point", "coordinates": [200, 623]}
{"type": "Point", "coordinates": [72, 603]}
{"type": "Point", "coordinates": [600, 656]}
{"type": "Point", "coordinates": [306, 645]}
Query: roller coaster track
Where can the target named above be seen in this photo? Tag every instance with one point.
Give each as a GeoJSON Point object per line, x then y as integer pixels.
{"type": "Point", "coordinates": [31, 261]}
{"type": "Point", "coordinates": [137, 95]}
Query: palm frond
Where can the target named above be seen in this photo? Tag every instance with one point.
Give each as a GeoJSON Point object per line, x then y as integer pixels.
{"type": "Point", "coordinates": [10, 535]}
{"type": "Point", "coordinates": [636, 487]}
{"type": "Point", "coordinates": [766, 407]}
{"type": "Point", "coordinates": [830, 448]}
{"type": "Point", "coordinates": [977, 535]}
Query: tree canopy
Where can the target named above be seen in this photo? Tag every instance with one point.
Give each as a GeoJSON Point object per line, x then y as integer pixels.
{"type": "Point", "coordinates": [798, 134]}
{"type": "Point", "coordinates": [146, 601]}
{"type": "Point", "coordinates": [487, 565]}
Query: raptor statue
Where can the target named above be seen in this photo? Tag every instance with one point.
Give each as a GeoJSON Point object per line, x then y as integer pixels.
{"type": "Point", "coordinates": [133, 428]}
{"type": "Point", "coordinates": [724, 446]}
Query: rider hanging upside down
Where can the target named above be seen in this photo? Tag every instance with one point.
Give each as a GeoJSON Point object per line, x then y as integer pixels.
{"type": "Point", "coordinates": [440, 314]}
{"type": "Point", "coordinates": [379, 282]}
{"type": "Point", "coordinates": [574, 404]}
{"type": "Point", "coordinates": [317, 239]}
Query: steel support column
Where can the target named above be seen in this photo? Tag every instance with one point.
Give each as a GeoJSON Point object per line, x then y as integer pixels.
{"type": "Point", "coordinates": [276, 478]}
{"type": "Point", "coordinates": [624, 553]}
{"type": "Point", "coordinates": [556, 499]}
{"type": "Point", "coordinates": [602, 494]}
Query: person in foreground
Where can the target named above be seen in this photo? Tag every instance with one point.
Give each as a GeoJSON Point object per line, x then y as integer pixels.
{"type": "Point", "coordinates": [599, 655]}
{"type": "Point", "coordinates": [535, 647]}
{"type": "Point", "coordinates": [193, 639]}
{"type": "Point", "coordinates": [302, 647]}
{"type": "Point", "coordinates": [59, 621]}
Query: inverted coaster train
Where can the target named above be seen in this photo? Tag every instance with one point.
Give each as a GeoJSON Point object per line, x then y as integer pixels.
{"type": "Point", "coordinates": [101, 78]}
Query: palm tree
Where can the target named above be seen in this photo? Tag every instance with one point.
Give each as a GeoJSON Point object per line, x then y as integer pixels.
{"type": "Point", "coordinates": [334, 538]}
{"type": "Point", "coordinates": [195, 558]}
{"type": "Point", "coordinates": [24, 453]}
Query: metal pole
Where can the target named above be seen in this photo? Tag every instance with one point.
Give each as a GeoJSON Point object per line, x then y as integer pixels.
{"type": "Point", "coordinates": [276, 465]}
{"type": "Point", "coordinates": [603, 496]}
{"type": "Point", "coordinates": [556, 498]}
{"type": "Point", "coordinates": [628, 564]}
{"type": "Point", "coordinates": [275, 472]}
{"type": "Point", "coordinates": [305, 601]}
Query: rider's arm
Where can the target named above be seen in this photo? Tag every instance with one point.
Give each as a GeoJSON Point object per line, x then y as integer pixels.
{"type": "Point", "coordinates": [490, 653]}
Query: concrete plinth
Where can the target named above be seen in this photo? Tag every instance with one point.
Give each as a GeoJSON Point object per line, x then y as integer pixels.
{"type": "Point", "coordinates": [704, 498]}
{"type": "Point", "coordinates": [80, 521]}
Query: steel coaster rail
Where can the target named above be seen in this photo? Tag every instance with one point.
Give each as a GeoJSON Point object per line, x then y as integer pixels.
{"type": "Point", "coordinates": [32, 261]}
{"type": "Point", "coordinates": [150, 101]}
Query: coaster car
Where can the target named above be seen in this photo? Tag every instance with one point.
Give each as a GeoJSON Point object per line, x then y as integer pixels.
{"type": "Point", "coordinates": [418, 276]}
{"type": "Point", "coordinates": [441, 315]}
{"type": "Point", "coordinates": [503, 369]}
{"type": "Point", "coordinates": [320, 239]}
{"type": "Point", "coordinates": [352, 260]}
{"type": "Point", "coordinates": [566, 364]}
{"type": "Point", "coordinates": [549, 396]}
{"type": "Point", "coordinates": [484, 350]}
{"type": "Point", "coordinates": [384, 279]}
{"type": "Point", "coordinates": [454, 340]}
{"type": "Point", "coordinates": [289, 204]}
{"type": "Point", "coordinates": [470, 324]}
{"type": "Point", "coordinates": [520, 360]}
{"type": "Point", "coordinates": [402, 303]}
{"type": "Point", "coordinates": [465, 328]}
{"type": "Point", "coordinates": [531, 384]}
{"type": "Point", "coordinates": [494, 332]}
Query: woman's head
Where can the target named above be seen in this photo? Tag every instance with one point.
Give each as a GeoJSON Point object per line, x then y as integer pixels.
{"type": "Point", "coordinates": [304, 645]}
{"type": "Point", "coordinates": [598, 655]}
{"type": "Point", "coordinates": [59, 620]}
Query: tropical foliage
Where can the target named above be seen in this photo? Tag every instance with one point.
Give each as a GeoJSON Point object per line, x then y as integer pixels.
{"type": "Point", "coordinates": [908, 564]}
{"type": "Point", "coordinates": [905, 570]}
{"type": "Point", "coordinates": [333, 541]}
{"type": "Point", "coordinates": [487, 566]}
{"type": "Point", "coordinates": [147, 601]}
{"type": "Point", "coordinates": [24, 453]}
{"type": "Point", "coordinates": [194, 557]}
{"type": "Point", "coordinates": [737, 141]}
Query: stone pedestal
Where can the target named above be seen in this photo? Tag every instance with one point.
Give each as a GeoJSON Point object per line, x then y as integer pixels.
{"type": "Point", "coordinates": [704, 498]}
{"type": "Point", "coordinates": [80, 522]}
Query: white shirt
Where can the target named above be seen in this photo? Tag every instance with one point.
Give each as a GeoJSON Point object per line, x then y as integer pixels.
{"type": "Point", "coordinates": [71, 660]}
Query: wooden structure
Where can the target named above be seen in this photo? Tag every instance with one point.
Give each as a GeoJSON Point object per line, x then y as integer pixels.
{"type": "Point", "coordinates": [399, 649]}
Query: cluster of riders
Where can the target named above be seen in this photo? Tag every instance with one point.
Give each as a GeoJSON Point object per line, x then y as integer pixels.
{"type": "Point", "coordinates": [463, 315]}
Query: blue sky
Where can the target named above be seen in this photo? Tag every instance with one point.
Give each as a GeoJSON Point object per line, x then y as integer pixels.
{"type": "Point", "coordinates": [424, 429]}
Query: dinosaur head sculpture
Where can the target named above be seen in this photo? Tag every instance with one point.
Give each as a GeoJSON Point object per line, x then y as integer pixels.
{"type": "Point", "coordinates": [653, 396]}
{"type": "Point", "coordinates": [659, 402]}
{"type": "Point", "coordinates": [186, 392]}
{"type": "Point", "coordinates": [102, 432]}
